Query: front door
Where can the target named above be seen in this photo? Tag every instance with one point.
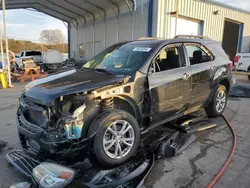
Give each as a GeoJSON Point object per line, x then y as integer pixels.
{"type": "Point", "coordinates": [199, 58]}
{"type": "Point", "coordinates": [169, 83]}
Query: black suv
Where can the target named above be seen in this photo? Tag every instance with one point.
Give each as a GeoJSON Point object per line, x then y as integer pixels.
{"type": "Point", "coordinates": [120, 94]}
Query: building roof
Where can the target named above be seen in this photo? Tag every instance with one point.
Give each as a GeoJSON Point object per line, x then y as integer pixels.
{"type": "Point", "coordinates": [72, 10]}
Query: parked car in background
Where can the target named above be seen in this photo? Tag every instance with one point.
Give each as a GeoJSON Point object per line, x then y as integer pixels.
{"type": "Point", "coordinates": [30, 54]}
{"type": "Point", "coordinates": [120, 94]}
{"type": "Point", "coordinates": [242, 62]}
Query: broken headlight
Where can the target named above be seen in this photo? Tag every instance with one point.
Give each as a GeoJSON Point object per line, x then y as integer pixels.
{"type": "Point", "coordinates": [73, 124]}
{"type": "Point", "coordinates": [50, 175]}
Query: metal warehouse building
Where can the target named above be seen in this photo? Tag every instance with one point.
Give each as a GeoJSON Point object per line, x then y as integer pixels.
{"type": "Point", "coordinates": [94, 25]}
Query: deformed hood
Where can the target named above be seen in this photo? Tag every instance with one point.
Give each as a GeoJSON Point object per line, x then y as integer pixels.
{"type": "Point", "coordinates": [47, 89]}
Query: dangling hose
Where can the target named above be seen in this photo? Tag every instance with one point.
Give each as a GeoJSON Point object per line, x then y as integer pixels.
{"type": "Point", "coordinates": [222, 170]}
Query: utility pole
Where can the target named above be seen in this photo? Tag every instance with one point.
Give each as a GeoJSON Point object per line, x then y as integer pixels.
{"type": "Point", "coordinates": [176, 16]}
{"type": "Point", "coordinates": [1, 45]}
{"type": "Point", "coordinates": [42, 45]}
{"type": "Point", "coordinates": [6, 43]}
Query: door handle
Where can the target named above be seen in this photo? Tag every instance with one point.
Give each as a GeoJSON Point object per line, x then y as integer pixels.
{"type": "Point", "coordinates": [185, 76]}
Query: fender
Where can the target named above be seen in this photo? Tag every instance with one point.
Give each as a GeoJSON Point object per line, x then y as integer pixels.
{"type": "Point", "coordinates": [133, 104]}
{"type": "Point", "coordinates": [220, 76]}
{"type": "Point", "coordinates": [221, 73]}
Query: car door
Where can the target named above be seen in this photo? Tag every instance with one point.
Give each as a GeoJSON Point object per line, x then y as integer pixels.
{"type": "Point", "coordinates": [169, 83]}
{"type": "Point", "coordinates": [199, 59]}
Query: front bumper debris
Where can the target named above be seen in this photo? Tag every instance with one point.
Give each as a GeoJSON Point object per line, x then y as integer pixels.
{"type": "Point", "coordinates": [166, 141]}
{"type": "Point", "coordinates": [130, 174]}
{"type": "Point", "coordinates": [53, 145]}
{"type": "Point", "coordinates": [23, 162]}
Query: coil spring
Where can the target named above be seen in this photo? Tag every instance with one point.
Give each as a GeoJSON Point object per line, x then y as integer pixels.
{"type": "Point", "coordinates": [107, 104]}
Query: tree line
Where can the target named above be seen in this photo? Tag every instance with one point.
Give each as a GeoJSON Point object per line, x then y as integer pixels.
{"type": "Point", "coordinates": [50, 39]}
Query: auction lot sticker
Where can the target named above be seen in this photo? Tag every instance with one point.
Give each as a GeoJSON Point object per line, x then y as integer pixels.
{"type": "Point", "coordinates": [141, 49]}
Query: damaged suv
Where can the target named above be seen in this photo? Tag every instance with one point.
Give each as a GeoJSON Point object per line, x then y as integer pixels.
{"type": "Point", "coordinates": [119, 95]}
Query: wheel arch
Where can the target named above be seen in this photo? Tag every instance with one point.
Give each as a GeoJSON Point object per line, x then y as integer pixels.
{"type": "Point", "coordinates": [225, 82]}
{"type": "Point", "coordinates": [129, 105]}
{"type": "Point", "coordinates": [121, 102]}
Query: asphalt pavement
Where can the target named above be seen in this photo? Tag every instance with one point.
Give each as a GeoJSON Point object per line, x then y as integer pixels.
{"type": "Point", "coordinates": [195, 167]}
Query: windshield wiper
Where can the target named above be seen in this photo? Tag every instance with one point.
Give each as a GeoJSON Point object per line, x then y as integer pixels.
{"type": "Point", "coordinates": [85, 68]}
{"type": "Point", "coordinates": [102, 70]}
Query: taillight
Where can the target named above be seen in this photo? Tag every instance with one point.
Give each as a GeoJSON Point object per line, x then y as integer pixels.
{"type": "Point", "coordinates": [237, 58]}
{"type": "Point", "coordinates": [231, 65]}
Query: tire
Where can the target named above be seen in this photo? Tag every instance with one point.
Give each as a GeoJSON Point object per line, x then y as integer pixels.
{"type": "Point", "coordinates": [102, 125]}
{"type": "Point", "coordinates": [213, 111]}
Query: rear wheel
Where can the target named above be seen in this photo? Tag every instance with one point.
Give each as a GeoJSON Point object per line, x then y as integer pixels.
{"type": "Point", "coordinates": [218, 103]}
{"type": "Point", "coordinates": [117, 137]}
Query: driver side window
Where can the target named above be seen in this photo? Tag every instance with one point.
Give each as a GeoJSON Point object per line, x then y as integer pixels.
{"type": "Point", "coordinates": [168, 58]}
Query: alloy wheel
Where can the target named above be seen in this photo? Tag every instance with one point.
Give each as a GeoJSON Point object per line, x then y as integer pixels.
{"type": "Point", "coordinates": [118, 139]}
{"type": "Point", "coordinates": [221, 101]}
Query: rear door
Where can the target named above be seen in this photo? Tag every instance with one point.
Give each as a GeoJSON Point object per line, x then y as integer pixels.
{"type": "Point", "coordinates": [169, 83]}
{"type": "Point", "coordinates": [200, 61]}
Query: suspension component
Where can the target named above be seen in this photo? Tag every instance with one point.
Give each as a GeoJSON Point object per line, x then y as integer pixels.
{"type": "Point", "coordinates": [107, 104]}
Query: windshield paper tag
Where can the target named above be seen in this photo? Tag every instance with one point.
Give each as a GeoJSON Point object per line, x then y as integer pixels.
{"type": "Point", "coordinates": [141, 49]}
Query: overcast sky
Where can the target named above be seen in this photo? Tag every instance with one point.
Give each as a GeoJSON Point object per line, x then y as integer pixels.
{"type": "Point", "coordinates": [243, 4]}
{"type": "Point", "coordinates": [26, 24]}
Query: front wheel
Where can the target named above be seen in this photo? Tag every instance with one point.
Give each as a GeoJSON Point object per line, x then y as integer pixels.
{"type": "Point", "coordinates": [117, 137]}
{"type": "Point", "coordinates": [218, 103]}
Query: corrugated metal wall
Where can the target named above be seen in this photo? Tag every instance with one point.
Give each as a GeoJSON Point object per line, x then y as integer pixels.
{"type": "Point", "coordinates": [128, 27]}
{"type": "Point", "coordinates": [124, 28]}
{"type": "Point", "coordinates": [213, 24]}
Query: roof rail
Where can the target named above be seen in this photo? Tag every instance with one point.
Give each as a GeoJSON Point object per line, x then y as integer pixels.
{"type": "Point", "coordinates": [148, 38]}
{"type": "Point", "coordinates": [192, 36]}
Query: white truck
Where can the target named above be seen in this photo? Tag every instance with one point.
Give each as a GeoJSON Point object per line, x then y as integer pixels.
{"type": "Point", "coordinates": [242, 62]}
{"type": "Point", "coordinates": [30, 54]}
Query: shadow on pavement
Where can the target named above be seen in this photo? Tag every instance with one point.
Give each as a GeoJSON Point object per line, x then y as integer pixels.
{"type": "Point", "coordinates": [240, 90]}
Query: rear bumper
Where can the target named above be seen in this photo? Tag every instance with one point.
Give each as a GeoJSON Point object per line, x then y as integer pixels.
{"type": "Point", "coordinates": [232, 81]}
{"type": "Point", "coordinates": [242, 67]}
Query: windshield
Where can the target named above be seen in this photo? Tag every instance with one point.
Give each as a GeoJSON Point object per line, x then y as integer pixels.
{"type": "Point", "coordinates": [125, 58]}
{"type": "Point", "coordinates": [33, 53]}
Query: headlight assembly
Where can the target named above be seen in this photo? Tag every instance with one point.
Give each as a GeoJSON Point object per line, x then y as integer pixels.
{"type": "Point", "coordinates": [50, 175]}
{"type": "Point", "coordinates": [73, 124]}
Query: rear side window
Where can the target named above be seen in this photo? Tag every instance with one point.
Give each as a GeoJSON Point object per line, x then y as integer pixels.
{"type": "Point", "coordinates": [198, 54]}
{"type": "Point", "coordinates": [32, 53]}
{"type": "Point", "coordinates": [217, 50]}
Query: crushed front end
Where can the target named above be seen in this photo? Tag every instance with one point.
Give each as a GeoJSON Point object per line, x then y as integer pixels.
{"type": "Point", "coordinates": [55, 130]}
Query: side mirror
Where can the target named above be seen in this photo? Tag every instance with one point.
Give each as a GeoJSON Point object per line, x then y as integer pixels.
{"type": "Point", "coordinates": [151, 68]}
